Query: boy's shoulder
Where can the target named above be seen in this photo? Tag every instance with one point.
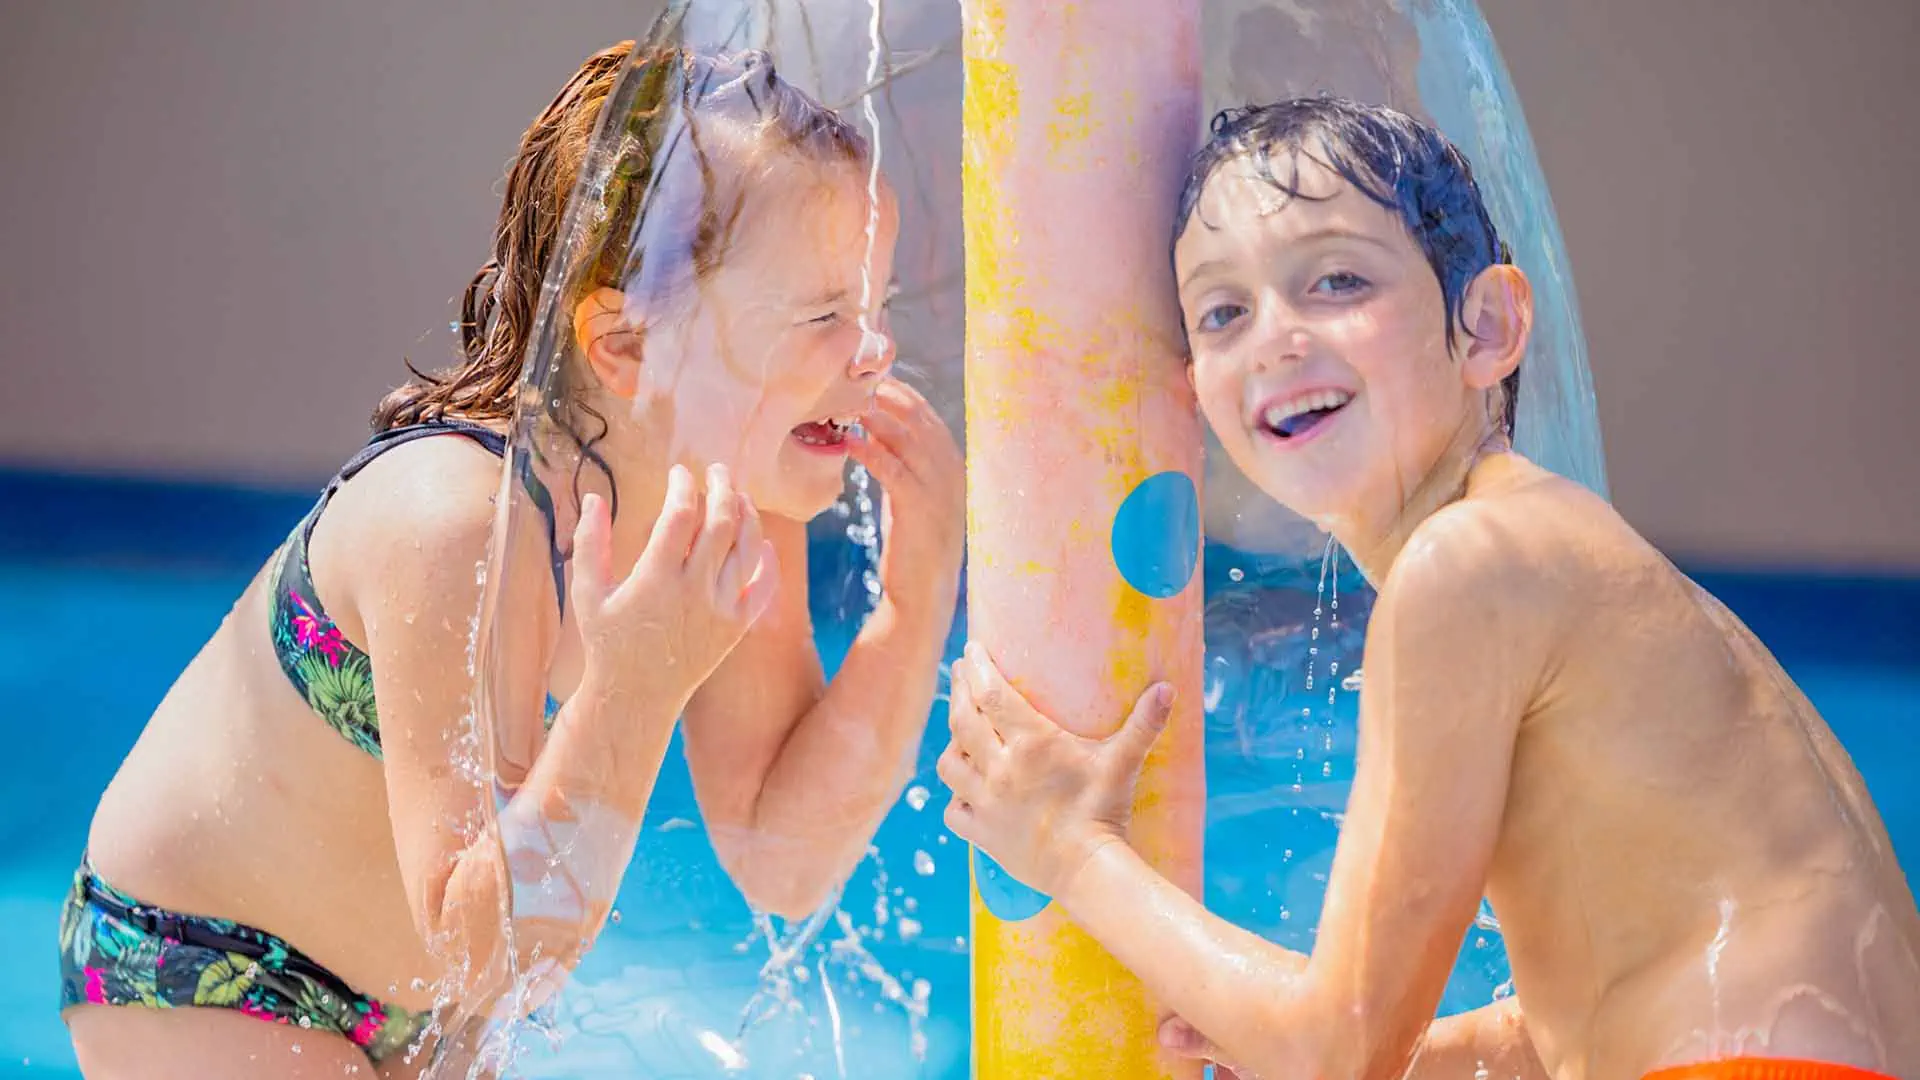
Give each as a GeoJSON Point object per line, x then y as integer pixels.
{"type": "Point", "coordinates": [1515, 556]}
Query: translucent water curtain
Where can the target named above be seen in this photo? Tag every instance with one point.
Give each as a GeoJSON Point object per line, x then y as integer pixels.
{"type": "Point", "coordinates": [1286, 609]}
{"type": "Point", "coordinates": [639, 951]}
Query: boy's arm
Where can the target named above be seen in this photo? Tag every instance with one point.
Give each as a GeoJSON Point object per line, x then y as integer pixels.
{"type": "Point", "coordinates": [1453, 656]}
{"type": "Point", "coordinates": [1456, 651]}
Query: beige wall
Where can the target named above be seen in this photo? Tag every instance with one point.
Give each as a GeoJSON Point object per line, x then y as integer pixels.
{"type": "Point", "coordinates": [1736, 181]}
{"type": "Point", "coordinates": [222, 232]}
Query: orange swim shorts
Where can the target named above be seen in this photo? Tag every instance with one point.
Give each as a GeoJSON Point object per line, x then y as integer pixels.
{"type": "Point", "coordinates": [1765, 1069]}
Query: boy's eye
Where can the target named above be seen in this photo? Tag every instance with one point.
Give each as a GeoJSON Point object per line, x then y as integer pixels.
{"type": "Point", "coordinates": [822, 320]}
{"type": "Point", "coordinates": [1340, 283]}
{"type": "Point", "coordinates": [1218, 316]}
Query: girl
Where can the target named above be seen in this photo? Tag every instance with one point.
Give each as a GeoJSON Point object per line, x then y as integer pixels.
{"type": "Point", "coordinates": [281, 844]}
{"type": "Point", "coordinates": [1690, 876]}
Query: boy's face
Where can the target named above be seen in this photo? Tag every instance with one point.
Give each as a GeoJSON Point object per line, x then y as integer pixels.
{"type": "Point", "coordinates": [1319, 342]}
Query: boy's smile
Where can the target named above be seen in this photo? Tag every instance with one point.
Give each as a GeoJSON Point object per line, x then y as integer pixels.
{"type": "Point", "coordinates": [1291, 419]}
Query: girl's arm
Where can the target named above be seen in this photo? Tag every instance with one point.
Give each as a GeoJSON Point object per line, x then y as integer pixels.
{"type": "Point", "coordinates": [572, 820]}
{"type": "Point", "coordinates": [794, 776]}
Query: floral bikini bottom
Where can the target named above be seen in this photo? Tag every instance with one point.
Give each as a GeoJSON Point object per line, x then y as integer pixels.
{"type": "Point", "coordinates": [114, 950]}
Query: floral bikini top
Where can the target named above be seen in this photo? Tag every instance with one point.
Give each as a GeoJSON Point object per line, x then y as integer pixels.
{"type": "Point", "coordinates": [330, 672]}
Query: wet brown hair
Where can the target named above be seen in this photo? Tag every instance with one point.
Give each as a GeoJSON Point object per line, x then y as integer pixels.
{"type": "Point", "coordinates": [762, 114]}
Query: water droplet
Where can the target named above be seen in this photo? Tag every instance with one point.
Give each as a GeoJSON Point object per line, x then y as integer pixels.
{"type": "Point", "coordinates": [419, 985]}
{"type": "Point", "coordinates": [304, 1022]}
{"type": "Point", "coordinates": [941, 839]}
{"type": "Point", "coordinates": [614, 916]}
{"type": "Point", "coordinates": [922, 863]}
{"type": "Point", "coordinates": [909, 929]}
{"type": "Point", "coordinates": [1236, 574]}
{"type": "Point", "coordinates": [917, 797]}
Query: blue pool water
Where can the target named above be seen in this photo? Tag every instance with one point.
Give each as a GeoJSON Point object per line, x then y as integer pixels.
{"type": "Point", "coordinates": [665, 993]}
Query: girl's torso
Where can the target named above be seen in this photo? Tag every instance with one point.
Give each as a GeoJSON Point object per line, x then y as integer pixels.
{"type": "Point", "coordinates": [257, 790]}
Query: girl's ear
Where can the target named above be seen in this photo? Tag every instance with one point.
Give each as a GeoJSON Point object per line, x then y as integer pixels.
{"type": "Point", "coordinates": [610, 336]}
{"type": "Point", "coordinates": [1497, 315]}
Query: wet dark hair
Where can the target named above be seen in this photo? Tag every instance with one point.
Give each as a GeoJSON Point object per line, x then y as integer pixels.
{"type": "Point", "coordinates": [1397, 161]}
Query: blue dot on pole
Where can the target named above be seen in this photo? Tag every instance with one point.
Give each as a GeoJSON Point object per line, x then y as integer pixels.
{"type": "Point", "coordinates": [1156, 534]}
{"type": "Point", "coordinates": [1006, 896]}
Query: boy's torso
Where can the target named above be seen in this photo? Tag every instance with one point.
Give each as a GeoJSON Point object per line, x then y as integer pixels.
{"type": "Point", "coordinates": [1689, 866]}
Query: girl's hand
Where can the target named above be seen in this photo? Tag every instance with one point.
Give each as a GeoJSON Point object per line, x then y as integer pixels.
{"type": "Point", "coordinates": [908, 449]}
{"type": "Point", "coordinates": [1037, 798]}
{"type": "Point", "coordinates": [705, 576]}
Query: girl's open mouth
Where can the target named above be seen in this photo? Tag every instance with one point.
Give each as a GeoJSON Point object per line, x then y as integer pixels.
{"type": "Point", "coordinates": [824, 436]}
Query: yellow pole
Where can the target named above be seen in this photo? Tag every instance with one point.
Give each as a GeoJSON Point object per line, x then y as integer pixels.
{"type": "Point", "coordinates": [1083, 451]}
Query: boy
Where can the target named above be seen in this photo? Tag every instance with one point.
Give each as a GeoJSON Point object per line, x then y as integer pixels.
{"type": "Point", "coordinates": [1688, 871]}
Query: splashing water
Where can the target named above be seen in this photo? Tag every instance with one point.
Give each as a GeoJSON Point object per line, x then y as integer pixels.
{"type": "Point", "coordinates": [1333, 623]}
{"type": "Point", "coordinates": [1714, 949]}
{"type": "Point", "coordinates": [786, 967]}
{"type": "Point", "coordinates": [866, 532]}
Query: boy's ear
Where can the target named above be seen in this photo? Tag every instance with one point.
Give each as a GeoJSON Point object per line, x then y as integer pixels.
{"type": "Point", "coordinates": [610, 337]}
{"type": "Point", "coordinates": [1497, 319]}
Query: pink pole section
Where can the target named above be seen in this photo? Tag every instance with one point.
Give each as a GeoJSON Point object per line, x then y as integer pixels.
{"type": "Point", "coordinates": [1083, 449]}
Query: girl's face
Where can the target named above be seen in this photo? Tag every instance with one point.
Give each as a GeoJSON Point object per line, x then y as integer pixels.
{"type": "Point", "coordinates": [1318, 334]}
{"type": "Point", "coordinates": [766, 361]}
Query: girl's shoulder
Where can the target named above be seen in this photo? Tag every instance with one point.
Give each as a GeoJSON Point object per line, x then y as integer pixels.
{"type": "Point", "coordinates": [414, 529]}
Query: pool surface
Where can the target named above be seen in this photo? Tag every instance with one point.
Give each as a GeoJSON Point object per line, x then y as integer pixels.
{"type": "Point", "coordinates": [877, 989]}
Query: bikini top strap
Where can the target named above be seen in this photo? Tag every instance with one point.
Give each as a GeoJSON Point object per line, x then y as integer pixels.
{"type": "Point", "coordinates": [495, 443]}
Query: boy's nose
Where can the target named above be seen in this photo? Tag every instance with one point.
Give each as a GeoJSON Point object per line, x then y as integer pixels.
{"type": "Point", "coordinates": [1282, 343]}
